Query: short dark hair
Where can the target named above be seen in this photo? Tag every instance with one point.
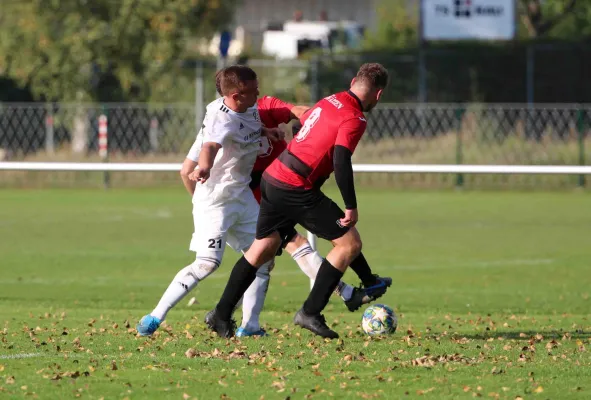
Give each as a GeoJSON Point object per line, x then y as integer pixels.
{"type": "Point", "coordinates": [218, 82]}
{"type": "Point", "coordinates": [233, 78]}
{"type": "Point", "coordinates": [373, 74]}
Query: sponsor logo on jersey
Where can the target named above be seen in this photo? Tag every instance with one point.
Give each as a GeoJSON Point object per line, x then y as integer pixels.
{"type": "Point", "coordinates": [252, 135]}
{"type": "Point", "coordinates": [333, 100]}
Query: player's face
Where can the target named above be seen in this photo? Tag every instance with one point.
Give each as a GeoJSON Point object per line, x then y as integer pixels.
{"type": "Point", "coordinates": [249, 94]}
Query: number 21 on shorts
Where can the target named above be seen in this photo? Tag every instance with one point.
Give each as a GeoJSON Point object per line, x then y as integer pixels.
{"type": "Point", "coordinates": [214, 243]}
{"type": "Point", "coordinates": [308, 124]}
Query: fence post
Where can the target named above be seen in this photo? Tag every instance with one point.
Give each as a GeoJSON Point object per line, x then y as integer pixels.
{"type": "Point", "coordinates": [314, 89]}
{"type": "Point", "coordinates": [459, 154]}
{"type": "Point", "coordinates": [49, 131]}
{"type": "Point", "coordinates": [103, 144]}
{"type": "Point", "coordinates": [199, 94]}
{"type": "Point", "coordinates": [314, 97]}
{"type": "Point", "coordinates": [153, 134]}
{"type": "Point", "coordinates": [581, 137]}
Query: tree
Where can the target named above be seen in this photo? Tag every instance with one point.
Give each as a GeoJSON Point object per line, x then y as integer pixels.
{"type": "Point", "coordinates": [540, 17]}
{"type": "Point", "coordinates": [75, 49]}
{"type": "Point", "coordinates": [396, 28]}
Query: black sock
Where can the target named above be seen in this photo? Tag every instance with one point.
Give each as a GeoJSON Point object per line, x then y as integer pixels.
{"type": "Point", "coordinates": [326, 281]}
{"type": "Point", "coordinates": [360, 266]}
{"type": "Point", "coordinates": [243, 274]}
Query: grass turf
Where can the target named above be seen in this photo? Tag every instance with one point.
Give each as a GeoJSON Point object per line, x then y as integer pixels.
{"type": "Point", "coordinates": [491, 292]}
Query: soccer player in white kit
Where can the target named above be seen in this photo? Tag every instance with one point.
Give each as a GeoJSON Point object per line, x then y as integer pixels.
{"type": "Point", "coordinates": [224, 208]}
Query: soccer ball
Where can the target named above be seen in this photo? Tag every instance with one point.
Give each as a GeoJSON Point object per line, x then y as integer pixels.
{"type": "Point", "coordinates": [379, 319]}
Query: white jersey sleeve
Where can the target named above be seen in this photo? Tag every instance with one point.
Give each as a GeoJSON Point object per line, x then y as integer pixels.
{"type": "Point", "coordinates": [217, 127]}
{"type": "Point", "coordinates": [239, 134]}
{"type": "Point", "coordinates": [196, 148]}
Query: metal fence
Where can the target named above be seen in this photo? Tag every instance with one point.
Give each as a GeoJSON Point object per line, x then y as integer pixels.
{"type": "Point", "coordinates": [396, 134]}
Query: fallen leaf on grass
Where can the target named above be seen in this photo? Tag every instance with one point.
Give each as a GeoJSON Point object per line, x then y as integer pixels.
{"type": "Point", "coordinates": [422, 392]}
{"type": "Point", "coordinates": [191, 353]}
{"type": "Point", "coordinates": [539, 389]}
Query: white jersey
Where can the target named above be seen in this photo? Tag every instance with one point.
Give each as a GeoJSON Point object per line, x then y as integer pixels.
{"type": "Point", "coordinates": [239, 134]}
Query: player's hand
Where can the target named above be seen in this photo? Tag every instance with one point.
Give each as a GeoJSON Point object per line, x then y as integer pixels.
{"type": "Point", "coordinates": [199, 175]}
{"type": "Point", "coordinates": [350, 219]}
{"type": "Point", "coordinates": [274, 134]}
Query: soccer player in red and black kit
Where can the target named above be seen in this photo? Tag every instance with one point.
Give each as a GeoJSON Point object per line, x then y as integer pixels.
{"type": "Point", "coordinates": [274, 112]}
{"type": "Point", "coordinates": [291, 195]}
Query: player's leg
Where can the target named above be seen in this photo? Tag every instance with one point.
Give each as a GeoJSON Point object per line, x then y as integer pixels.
{"type": "Point", "coordinates": [208, 242]}
{"type": "Point", "coordinates": [253, 302]}
{"type": "Point", "coordinates": [271, 226]}
{"type": "Point", "coordinates": [240, 237]}
{"type": "Point", "coordinates": [320, 216]}
{"type": "Point", "coordinates": [309, 261]}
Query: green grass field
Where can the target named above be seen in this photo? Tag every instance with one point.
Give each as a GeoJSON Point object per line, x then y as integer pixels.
{"type": "Point", "coordinates": [491, 291]}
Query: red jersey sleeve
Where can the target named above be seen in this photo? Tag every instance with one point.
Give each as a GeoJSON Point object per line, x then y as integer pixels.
{"type": "Point", "coordinates": [280, 110]}
{"type": "Point", "coordinates": [350, 133]}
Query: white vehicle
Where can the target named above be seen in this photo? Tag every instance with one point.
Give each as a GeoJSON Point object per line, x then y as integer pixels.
{"type": "Point", "coordinates": [297, 37]}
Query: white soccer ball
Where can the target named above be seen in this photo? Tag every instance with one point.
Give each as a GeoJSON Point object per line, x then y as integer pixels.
{"type": "Point", "coordinates": [379, 319]}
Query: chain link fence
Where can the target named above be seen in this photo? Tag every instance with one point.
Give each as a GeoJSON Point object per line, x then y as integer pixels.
{"type": "Point", "coordinates": [396, 134]}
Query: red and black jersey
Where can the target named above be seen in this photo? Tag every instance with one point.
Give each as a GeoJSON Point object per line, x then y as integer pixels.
{"type": "Point", "coordinates": [273, 112]}
{"type": "Point", "coordinates": [308, 160]}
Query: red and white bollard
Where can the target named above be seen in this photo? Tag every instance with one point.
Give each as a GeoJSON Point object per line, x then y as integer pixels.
{"type": "Point", "coordinates": [102, 137]}
{"type": "Point", "coordinates": [49, 140]}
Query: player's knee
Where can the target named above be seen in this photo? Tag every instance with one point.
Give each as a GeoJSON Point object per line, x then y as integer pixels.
{"type": "Point", "coordinates": [350, 244]}
{"type": "Point", "coordinates": [356, 246]}
{"type": "Point", "coordinates": [299, 240]}
{"type": "Point", "coordinates": [263, 250]}
{"type": "Point", "coordinates": [202, 267]}
{"type": "Point", "coordinates": [295, 243]}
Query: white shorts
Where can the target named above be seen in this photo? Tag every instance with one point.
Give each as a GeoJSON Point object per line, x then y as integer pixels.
{"type": "Point", "coordinates": [233, 223]}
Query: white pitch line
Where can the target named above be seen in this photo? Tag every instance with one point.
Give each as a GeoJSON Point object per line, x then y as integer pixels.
{"type": "Point", "coordinates": [19, 356]}
{"type": "Point", "coordinates": [501, 263]}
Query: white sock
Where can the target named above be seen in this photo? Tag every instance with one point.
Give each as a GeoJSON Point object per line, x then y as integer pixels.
{"type": "Point", "coordinates": [309, 261]}
{"type": "Point", "coordinates": [344, 290]}
{"type": "Point", "coordinates": [254, 298]}
{"type": "Point", "coordinates": [184, 281]}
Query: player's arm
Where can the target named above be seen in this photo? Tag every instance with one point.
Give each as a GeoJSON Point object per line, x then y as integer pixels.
{"type": "Point", "coordinates": [215, 131]}
{"type": "Point", "coordinates": [297, 112]}
{"type": "Point", "coordinates": [190, 163]}
{"type": "Point", "coordinates": [274, 134]}
{"type": "Point", "coordinates": [206, 159]}
{"type": "Point", "coordinates": [187, 168]}
{"type": "Point", "coordinates": [349, 134]}
{"type": "Point", "coordinates": [283, 112]}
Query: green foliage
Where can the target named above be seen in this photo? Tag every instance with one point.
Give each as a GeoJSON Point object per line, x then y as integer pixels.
{"type": "Point", "coordinates": [102, 49]}
{"type": "Point", "coordinates": [569, 23]}
{"type": "Point", "coordinates": [397, 26]}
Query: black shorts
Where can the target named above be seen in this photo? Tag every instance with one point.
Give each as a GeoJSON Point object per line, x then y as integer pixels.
{"type": "Point", "coordinates": [282, 209]}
